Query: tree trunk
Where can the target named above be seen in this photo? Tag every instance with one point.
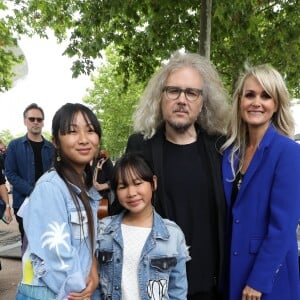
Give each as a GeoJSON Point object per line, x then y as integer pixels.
{"type": "Point", "coordinates": [205, 28]}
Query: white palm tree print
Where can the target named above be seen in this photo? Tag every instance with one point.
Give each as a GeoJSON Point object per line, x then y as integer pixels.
{"type": "Point", "coordinates": [55, 238]}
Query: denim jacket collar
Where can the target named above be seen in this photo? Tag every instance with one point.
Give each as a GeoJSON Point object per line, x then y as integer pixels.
{"type": "Point", "coordinates": [92, 192]}
{"type": "Point", "coordinates": [159, 229]}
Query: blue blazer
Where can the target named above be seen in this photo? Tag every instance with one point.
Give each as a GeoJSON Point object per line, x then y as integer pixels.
{"type": "Point", "coordinates": [263, 249]}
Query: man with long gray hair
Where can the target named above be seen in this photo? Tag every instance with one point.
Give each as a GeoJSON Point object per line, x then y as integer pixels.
{"type": "Point", "coordinates": [179, 124]}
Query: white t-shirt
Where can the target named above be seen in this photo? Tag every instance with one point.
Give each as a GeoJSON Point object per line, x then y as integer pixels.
{"type": "Point", "coordinates": [134, 239]}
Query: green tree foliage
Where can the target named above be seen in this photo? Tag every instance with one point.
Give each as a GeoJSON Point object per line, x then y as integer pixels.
{"type": "Point", "coordinates": [257, 32]}
{"type": "Point", "coordinates": [113, 103]}
{"type": "Point", "coordinates": [47, 135]}
{"type": "Point", "coordinates": [146, 32]}
{"type": "Point", "coordinates": [7, 59]}
{"type": "Point", "coordinates": [6, 136]}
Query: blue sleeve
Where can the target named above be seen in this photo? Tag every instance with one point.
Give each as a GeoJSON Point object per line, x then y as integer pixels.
{"type": "Point", "coordinates": [178, 285]}
{"type": "Point", "coordinates": [49, 233]}
{"type": "Point", "coordinates": [12, 170]}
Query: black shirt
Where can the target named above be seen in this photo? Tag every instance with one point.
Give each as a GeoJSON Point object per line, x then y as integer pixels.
{"type": "Point", "coordinates": [38, 163]}
{"type": "Point", "coordinates": [2, 178]}
{"type": "Point", "coordinates": [188, 184]}
{"type": "Point", "coordinates": [104, 176]}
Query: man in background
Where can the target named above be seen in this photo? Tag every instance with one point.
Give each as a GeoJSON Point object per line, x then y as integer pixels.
{"type": "Point", "coordinates": [27, 158]}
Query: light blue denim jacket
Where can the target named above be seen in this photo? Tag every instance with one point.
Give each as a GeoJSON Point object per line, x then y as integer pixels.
{"type": "Point", "coordinates": [58, 254]}
{"type": "Point", "coordinates": [162, 262]}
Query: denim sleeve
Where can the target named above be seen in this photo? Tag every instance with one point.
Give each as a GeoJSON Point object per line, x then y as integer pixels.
{"type": "Point", "coordinates": [178, 286]}
{"type": "Point", "coordinates": [53, 252]}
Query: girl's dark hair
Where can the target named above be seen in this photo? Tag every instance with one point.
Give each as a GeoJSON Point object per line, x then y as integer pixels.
{"type": "Point", "coordinates": [129, 164]}
{"type": "Point", "coordinates": [61, 125]}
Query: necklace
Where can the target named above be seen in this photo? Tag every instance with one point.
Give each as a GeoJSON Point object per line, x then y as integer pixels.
{"type": "Point", "coordinates": [240, 180]}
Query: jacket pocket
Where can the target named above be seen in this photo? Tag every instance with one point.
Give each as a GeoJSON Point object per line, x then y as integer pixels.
{"type": "Point", "coordinates": [163, 263]}
{"type": "Point", "coordinates": [105, 257]}
{"type": "Point", "coordinates": [105, 270]}
{"type": "Point", "coordinates": [79, 223]}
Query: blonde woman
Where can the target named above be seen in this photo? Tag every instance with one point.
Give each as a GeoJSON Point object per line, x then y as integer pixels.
{"type": "Point", "coordinates": [261, 171]}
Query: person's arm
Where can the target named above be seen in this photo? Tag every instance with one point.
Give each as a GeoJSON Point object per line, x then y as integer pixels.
{"type": "Point", "coordinates": [101, 186]}
{"type": "Point", "coordinates": [178, 287]}
{"type": "Point", "coordinates": [91, 284]}
{"type": "Point", "coordinates": [98, 169]}
{"type": "Point", "coordinates": [4, 196]}
{"type": "Point", "coordinates": [12, 171]}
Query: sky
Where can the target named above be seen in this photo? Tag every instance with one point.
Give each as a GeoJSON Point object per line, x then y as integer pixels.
{"type": "Point", "coordinates": [48, 83]}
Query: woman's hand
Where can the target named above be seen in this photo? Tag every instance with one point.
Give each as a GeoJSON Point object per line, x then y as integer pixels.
{"type": "Point", "coordinates": [96, 185]}
{"type": "Point", "coordinates": [7, 214]}
{"type": "Point", "coordinates": [101, 163]}
{"type": "Point", "coordinates": [101, 186]}
{"type": "Point", "coordinates": [92, 282]}
{"type": "Point", "coordinates": [251, 294]}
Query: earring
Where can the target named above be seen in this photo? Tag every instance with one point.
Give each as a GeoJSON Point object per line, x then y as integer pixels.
{"type": "Point", "coordinates": [58, 157]}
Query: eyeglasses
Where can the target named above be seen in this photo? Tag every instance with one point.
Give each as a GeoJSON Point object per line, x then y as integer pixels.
{"type": "Point", "coordinates": [32, 119]}
{"type": "Point", "coordinates": [174, 92]}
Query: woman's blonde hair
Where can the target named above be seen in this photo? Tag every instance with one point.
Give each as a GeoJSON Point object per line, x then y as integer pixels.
{"type": "Point", "coordinates": [274, 85]}
{"type": "Point", "coordinates": [213, 117]}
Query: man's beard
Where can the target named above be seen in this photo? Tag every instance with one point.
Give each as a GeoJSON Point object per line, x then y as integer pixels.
{"type": "Point", "coordinates": [36, 131]}
{"type": "Point", "coordinates": [179, 127]}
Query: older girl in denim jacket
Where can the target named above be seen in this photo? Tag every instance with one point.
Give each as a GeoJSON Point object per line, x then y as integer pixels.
{"type": "Point", "coordinates": [140, 255]}
{"type": "Point", "coordinates": [60, 217]}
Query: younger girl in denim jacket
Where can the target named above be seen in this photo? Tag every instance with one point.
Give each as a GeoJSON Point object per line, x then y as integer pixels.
{"type": "Point", "coordinates": [140, 255]}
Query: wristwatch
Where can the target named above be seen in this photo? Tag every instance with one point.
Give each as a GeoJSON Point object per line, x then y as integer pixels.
{"type": "Point", "coordinates": [7, 205]}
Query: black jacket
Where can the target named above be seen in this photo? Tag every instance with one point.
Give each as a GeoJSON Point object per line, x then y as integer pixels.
{"type": "Point", "coordinates": [152, 149]}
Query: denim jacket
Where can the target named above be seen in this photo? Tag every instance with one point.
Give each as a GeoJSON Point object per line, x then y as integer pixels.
{"type": "Point", "coordinates": [58, 254]}
{"type": "Point", "coordinates": [162, 266]}
{"type": "Point", "coordinates": [19, 166]}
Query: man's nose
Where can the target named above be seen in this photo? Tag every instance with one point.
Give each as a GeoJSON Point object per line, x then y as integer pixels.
{"type": "Point", "coordinates": [182, 97]}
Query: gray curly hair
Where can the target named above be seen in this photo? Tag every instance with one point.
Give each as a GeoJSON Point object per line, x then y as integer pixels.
{"type": "Point", "coordinates": [213, 117]}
